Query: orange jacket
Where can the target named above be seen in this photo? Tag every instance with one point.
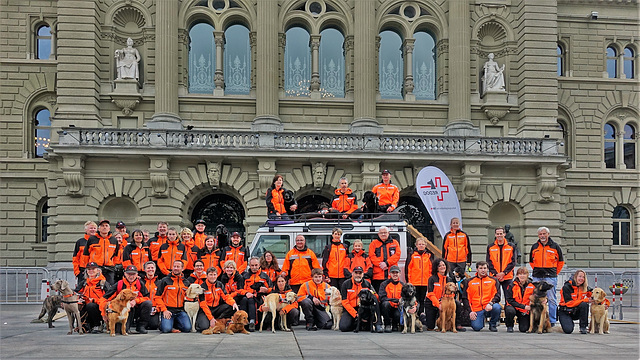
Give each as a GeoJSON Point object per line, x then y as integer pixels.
{"type": "Point", "coordinates": [239, 254]}
{"type": "Point", "coordinates": [254, 281]}
{"type": "Point", "coordinates": [192, 253]}
{"type": "Point", "coordinates": [210, 258]}
{"type": "Point", "coordinates": [275, 201]}
{"type": "Point", "coordinates": [501, 259]}
{"type": "Point", "coordinates": [78, 264]}
{"type": "Point", "coordinates": [390, 291]}
{"type": "Point", "coordinates": [456, 247]}
{"type": "Point", "coordinates": [169, 252]}
{"type": "Point", "coordinates": [481, 291]}
{"type": "Point", "coordinates": [92, 290]}
{"type": "Point", "coordinates": [195, 279]}
{"type": "Point", "coordinates": [283, 296]}
{"type": "Point", "coordinates": [233, 285]}
{"type": "Point", "coordinates": [349, 292]}
{"type": "Point", "coordinates": [418, 268]}
{"type": "Point", "coordinates": [154, 245]}
{"type": "Point", "coordinates": [359, 258]}
{"type": "Point", "coordinates": [518, 295]}
{"type": "Point", "coordinates": [211, 297]}
{"type": "Point", "coordinates": [137, 286]}
{"type": "Point", "coordinates": [136, 256]}
{"type": "Point", "coordinates": [199, 239]}
{"type": "Point", "coordinates": [151, 286]}
{"type": "Point", "coordinates": [387, 194]}
{"type": "Point", "coordinates": [388, 252]}
{"type": "Point", "coordinates": [272, 274]}
{"type": "Point", "coordinates": [298, 265]}
{"type": "Point", "coordinates": [101, 250]}
{"type": "Point", "coordinates": [572, 295]}
{"type": "Point", "coordinates": [123, 243]}
{"type": "Point", "coordinates": [171, 293]}
{"type": "Point", "coordinates": [312, 290]}
{"type": "Point", "coordinates": [335, 258]}
{"type": "Point", "coordinates": [435, 288]}
{"type": "Point", "coordinates": [546, 260]}
{"type": "Point", "coordinates": [344, 202]}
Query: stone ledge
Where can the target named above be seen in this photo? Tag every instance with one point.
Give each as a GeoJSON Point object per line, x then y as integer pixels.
{"type": "Point", "coordinates": [622, 249]}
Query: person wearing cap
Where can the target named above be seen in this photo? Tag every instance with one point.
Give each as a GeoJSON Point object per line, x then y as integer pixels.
{"type": "Point", "coordinates": [335, 258]}
{"type": "Point", "coordinates": [387, 193]}
{"type": "Point", "coordinates": [275, 200]}
{"type": "Point", "coordinates": [91, 289]}
{"type": "Point", "coordinates": [140, 307]}
{"type": "Point", "coordinates": [156, 241]}
{"type": "Point", "coordinates": [122, 229]}
{"type": "Point", "coordinates": [298, 263]}
{"type": "Point", "coordinates": [102, 248]}
{"type": "Point", "coordinates": [90, 229]}
{"type": "Point", "coordinates": [349, 292]}
{"type": "Point", "coordinates": [171, 251]}
{"type": "Point", "coordinates": [136, 253]}
{"type": "Point", "coordinates": [344, 200]}
{"type": "Point", "coordinates": [384, 252]}
{"type": "Point", "coordinates": [390, 294]}
{"type": "Point", "coordinates": [236, 252]}
{"type": "Point", "coordinates": [312, 298]}
{"type": "Point", "coordinates": [169, 300]}
{"type": "Point", "coordinates": [199, 236]}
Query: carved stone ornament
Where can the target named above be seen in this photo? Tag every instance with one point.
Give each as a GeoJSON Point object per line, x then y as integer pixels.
{"type": "Point", "coordinates": [159, 176]}
{"type": "Point", "coordinates": [73, 175]}
{"type": "Point", "coordinates": [126, 95]}
{"type": "Point", "coordinates": [266, 172]}
{"type": "Point", "coordinates": [495, 106]}
{"type": "Point", "coordinates": [547, 178]}
{"type": "Point", "coordinates": [319, 172]}
{"type": "Point", "coordinates": [213, 173]}
{"type": "Point", "coordinates": [471, 177]}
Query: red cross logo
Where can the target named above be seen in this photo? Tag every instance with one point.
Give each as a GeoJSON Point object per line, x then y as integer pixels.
{"type": "Point", "coordinates": [437, 184]}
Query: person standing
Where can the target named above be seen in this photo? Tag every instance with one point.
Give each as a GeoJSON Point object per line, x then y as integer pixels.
{"type": "Point", "coordinates": [298, 264]}
{"type": "Point", "coordinates": [79, 265]}
{"type": "Point", "coordinates": [481, 294]}
{"type": "Point", "coordinates": [546, 260]}
{"type": "Point", "coordinates": [418, 270]}
{"type": "Point", "coordinates": [384, 252]}
{"type": "Point", "coordinates": [209, 254]}
{"type": "Point", "coordinates": [501, 257]}
{"type": "Point", "coordinates": [344, 200]}
{"type": "Point", "coordinates": [101, 249]}
{"type": "Point", "coordinates": [456, 248]}
{"type": "Point", "coordinates": [136, 253]}
{"type": "Point", "coordinates": [186, 236]}
{"type": "Point", "coordinates": [199, 235]}
{"type": "Point", "coordinates": [236, 252]}
{"type": "Point", "coordinates": [171, 251]}
{"type": "Point", "coordinates": [335, 258]}
{"type": "Point", "coordinates": [387, 193]}
{"type": "Point", "coordinates": [155, 242]}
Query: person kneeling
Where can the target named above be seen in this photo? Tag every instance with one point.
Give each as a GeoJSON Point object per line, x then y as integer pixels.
{"type": "Point", "coordinates": [483, 296]}
{"type": "Point", "coordinates": [350, 291]}
{"type": "Point", "coordinates": [212, 306]}
{"type": "Point", "coordinates": [312, 298]}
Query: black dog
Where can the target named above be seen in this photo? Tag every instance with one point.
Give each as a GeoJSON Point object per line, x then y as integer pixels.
{"type": "Point", "coordinates": [370, 201]}
{"type": "Point", "coordinates": [407, 301]}
{"type": "Point", "coordinates": [222, 234]}
{"type": "Point", "coordinates": [367, 309]}
{"type": "Point", "coordinates": [50, 306]}
{"type": "Point", "coordinates": [288, 201]}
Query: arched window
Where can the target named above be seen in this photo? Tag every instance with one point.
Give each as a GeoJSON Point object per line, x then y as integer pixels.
{"type": "Point", "coordinates": [565, 137]}
{"type": "Point", "coordinates": [43, 42]}
{"type": "Point", "coordinates": [43, 221]}
{"type": "Point", "coordinates": [331, 63]}
{"type": "Point", "coordinates": [220, 209]}
{"type": "Point", "coordinates": [390, 65]}
{"type": "Point", "coordinates": [424, 66]}
{"type": "Point", "coordinates": [629, 146]}
{"type": "Point", "coordinates": [628, 62]}
{"type": "Point", "coordinates": [610, 146]}
{"type": "Point", "coordinates": [621, 226]}
{"type": "Point", "coordinates": [612, 62]}
{"type": "Point", "coordinates": [202, 59]}
{"type": "Point", "coordinates": [42, 132]}
{"type": "Point", "coordinates": [237, 61]}
{"type": "Point", "coordinates": [297, 62]}
{"type": "Point", "coordinates": [560, 53]}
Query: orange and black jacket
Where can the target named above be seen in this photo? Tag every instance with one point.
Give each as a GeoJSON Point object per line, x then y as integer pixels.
{"type": "Point", "coordinates": [418, 267]}
{"type": "Point", "coordinates": [211, 297]}
{"type": "Point", "coordinates": [310, 290]}
{"type": "Point", "coordinates": [345, 202]}
{"type": "Point", "coordinates": [271, 273]}
{"type": "Point", "coordinates": [239, 254]}
{"type": "Point", "coordinates": [275, 201]}
{"type": "Point", "coordinates": [195, 279]}
{"type": "Point", "coordinates": [298, 265]}
{"type": "Point", "coordinates": [123, 244]}
{"type": "Point", "coordinates": [192, 253]}
{"type": "Point", "coordinates": [349, 292]}
{"type": "Point", "coordinates": [170, 293]}
{"type": "Point", "coordinates": [335, 258]}
{"type": "Point", "coordinates": [254, 281]}
{"type": "Point", "coordinates": [92, 290]}
{"type": "Point", "coordinates": [234, 285]}
{"type": "Point", "coordinates": [435, 288]}
{"type": "Point", "coordinates": [283, 297]}
{"type": "Point", "coordinates": [456, 247]}
{"type": "Point", "coordinates": [501, 258]}
{"type": "Point", "coordinates": [572, 295]}
{"type": "Point", "coordinates": [478, 292]}
{"type": "Point", "coordinates": [136, 256]}
{"type": "Point", "coordinates": [169, 252]}
{"type": "Point", "coordinates": [137, 286]}
{"type": "Point", "coordinates": [210, 258]}
{"type": "Point", "coordinates": [101, 250]}
{"type": "Point", "coordinates": [518, 295]}
{"type": "Point", "coordinates": [359, 258]}
{"type": "Point", "coordinates": [388, 252]}
{"type": "Point", "coordinates": [387, 194]}
{"type": "Point", "coordinates": [152, 287]}
{"type": "Point", "coordinates": [154, 245]}
{"type": "Point", "coordinates": [199, 239]}
{"type": "Point", "coordinates": [546, 260]}
{"type": "Point", "coordinates": [390, 291]}
{"type": "Point", "coordinates": [78, 251]}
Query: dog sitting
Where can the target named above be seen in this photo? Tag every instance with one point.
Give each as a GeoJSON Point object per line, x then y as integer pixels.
{"type": "Point", "coordinates": [335, 306]}
{"type": "Point", "coordinates": [192, 307]}
{"type": "Point", "coordinates": [70, 305]}
{"type": "Point", "coordinates": [50, 306]}
{"type": "Point", "coordinates": [118, 311]}
{"type": "Point", "coordinates": [367, 305]}
{"type": "Point", "coordinates": [447, 319]}
{"type": "Point", "coordinates": [289, 200]}
{"type": "Point", "coordinates": [273, 301]}
{"type": "Point", "coordinates": [238, 322]}
{"type": "Point", "coordinates": [408, 301]}
{"type": "Point", "coordinates": [539, 317]}
{"type": "Point", "coordinates": [370, 203]}
{"type": "Point", "coordinates": [599, 312]}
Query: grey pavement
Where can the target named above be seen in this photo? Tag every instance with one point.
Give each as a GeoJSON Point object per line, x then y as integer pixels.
{"type": "Point", "coordinates": [20, 339]}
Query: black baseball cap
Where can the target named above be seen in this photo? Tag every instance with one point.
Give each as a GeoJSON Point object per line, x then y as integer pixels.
{"type": "Point", "coordinates": [92, 265]}
{"type": "Point", "coordinates": [385, 171]}
{"type": "Point", "coordinates": [120, 225]}
{"type": "Point", "coordinates": [131, 269]}
{"type": "Point", "coordinates": [199, 221]}
{"type": "Point", "coordinates": [104, 221]}
{"type": "Point", "coordinates": [394, 268]}
{"type": "Point", "coordinates": [358, 269]}
{"type": "Point", "coordinates": [235, 233]}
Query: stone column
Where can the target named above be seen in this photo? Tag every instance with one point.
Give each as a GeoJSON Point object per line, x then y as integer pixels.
{"type": "Point", "coordinates": [348, 66]}
{"type": "Point", "coordinates": [408, 67]}
{"type": "Point", "coordinates": [314, 43]}
{"type": "Point", "coordinates": [267, 98]}
{"type": "Point", "coordinates": [364, 97]}
{"type": "Point", "coordinates": [166, 99]}
{"type": "Point", "coordinates": [218, 79]}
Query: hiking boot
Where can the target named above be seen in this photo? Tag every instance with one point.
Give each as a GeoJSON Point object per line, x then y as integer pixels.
{"type": "Point", "coordinates": [388, 328]}
{"type": "Point", "coordinates": [311, 327]}
{"type": "Point", "coordinates": [509, 328]}
{"type": "Point", "coordinates": [492, 328]}
{"type": "Point", "coordinates": [460, 329]}
{"type": "Point", "coordinates": [96, 330]}
{"type": "Point", "coordinates": [379, 329]}
{"type": "Point", "coordinates": [395, 328]}
{"type": "Point", "coordinates": [252, 327]}
{"type": "Point", "coordinates": [583, 330]}
{"type": "Point", "coordinates": [141, 329]}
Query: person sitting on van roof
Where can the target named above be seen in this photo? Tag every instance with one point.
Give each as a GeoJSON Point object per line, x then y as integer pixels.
{"type": "Point", "coordinates": [298, 263]}
{"type": "Point", "coordinates": [387, 193]}
{"type": "Point", "coordinates": [359, 257]}
{"type": "Point", "coordinates": [275, 200]}
{"type": "Point", "coordinates": [335, 258]}
{"type": "Point", "coordinates": [344, 200]}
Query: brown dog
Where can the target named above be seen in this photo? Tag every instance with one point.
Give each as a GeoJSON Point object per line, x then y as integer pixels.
{"type": "Point", "coordinates": [275, 305]}
{"type": "Point", "coordinates": [539, 313]}
{"type": "Point", "coordinates": [118, 311]}
{"type": "Point", "coordinates": [599, 312]}
{"type": "Point", "coordinates": [447, 319]}
{"type": "Point", "coordinates": [70, 305]}
{"type": "Point", "coordinates": [219, 327]}
{"type": "Point", "coordinates": [237, 323]}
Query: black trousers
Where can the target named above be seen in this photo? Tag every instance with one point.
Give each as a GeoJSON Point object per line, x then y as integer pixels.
{"type": "Point", "coordinates": [141, 313]}
{"type": "Point", "coordinates": [453, 265]}
{"type": "Point", "coordinates": [348, 322]}
{"type": "Point", "coordinates": [432, 313]}
{"type": "Point", "coordinates": [109, 275]}
{"type": "Point", "coordinates": [567, 315]}
{"type": "Point", "coordinates": [337, 282]}
{"type": "Point", "coordinates": [523, 319]}
{"type": "Point", "coordinates": [94, 316]}
{"type": "Point", "coordinates": [421, 296]}
{"type": "Point", "coordinates": [390, 314]}
{"type": "Point", "coordinates": [154, 322]}
{"type": "Point", "coordinates": [293, 319]}
{"type": "Point", "coordinates": [504, 284]}
{"type": "Point", "coordinates": [376, 285]}
{"type": "Point", "coordinates": [222, 311]}
{"type": "Point", "coordinates": [315, 314]}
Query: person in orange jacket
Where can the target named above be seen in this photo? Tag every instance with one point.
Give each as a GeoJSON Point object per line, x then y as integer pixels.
{"type": "Point", "coordinates": [312, 298]}
{"type": "Point", "coordinates": [199, 236]}
{"type": "Point", "coordinates": [344, 200]}
{"type": "Point", "coordinates": [256, 284]}
{"type": "Point", "coordinates": [275, 200]}
{"type": "Point", "coordinates": [156, 241]}
{"type": "Point", "coordinates": [150, 282]}
{"type": "Point", "coordinates": [215, 303]}
{"type": "Point", "coordinates": [101, 249]}
{"type": "Point", "coordinates": [90, 229]}
{"type": "Point", "coordinates": [435, 292]}
{"type": "Point", "coordinates": [236, 252]}
{"type": "Point", "coordinates": [387, 193]}
{"type": "Point", "coordinates": [140, 307]}
{"type": "Point", "coordinates": [91, 289]}
{"type": "Point", "coordinates": [233, 283]}
{"type": "Point", "coordinates": [269, 265]}
{"type": "Point", "coordinates": [501, 257]}
{"type": "Point", "coordinates": [390, 294]}
{"type": "Point", "coordinates": [456, 248]}
{"type": "Point", "coordinates": [418, 270]}
{"type": "Point", "coordinates": [169, 300]}
{"type": "Point", "coordinates": [384, 252]}
{"type": "Point", "coordinates": [291, 311]}
{"type": "Point", "coordinates": [199, 275]}
{"type": "Point", "coordinates": [335, 258]}
{"type": "Point", "coordinates": [546, 260]}
{"type": "Point", "coordinates": [209, 254]}
{"type": "Point", "coordinates": [298, 263]}
{"type": "Point", "coordinates": [136, 253]}
{"type": "Point", "coordinates": [349, 292]}
{"type": "Point", "coordinates": [575, 298]}
{"type": "Point", "coordinates": [171, 251]}
{"type": "Point", "coordinates": [186, 236]}
{"type": "Point", "coordinates": [518, 299]}
{"type": "Point", "coordinates": [359, 257]}
{"type": "Point", "coordinates": [481, 294]}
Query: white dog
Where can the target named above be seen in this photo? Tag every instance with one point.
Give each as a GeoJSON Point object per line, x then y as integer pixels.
{"type": "Point", "coordinates": [192, 307]}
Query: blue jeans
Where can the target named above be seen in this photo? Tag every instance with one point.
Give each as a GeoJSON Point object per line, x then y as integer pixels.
{"type": "Point", "coordinates": [178, 320]}
{"type": "Point", "coordinates": [551, 297]}
{"type": "Point", "coordinates": [478, 323]}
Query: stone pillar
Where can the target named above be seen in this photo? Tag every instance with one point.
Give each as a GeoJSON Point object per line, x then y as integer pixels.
{"type": "Point", "coordinates": [459, 122]}
{"type": "Point", "coordinates": [267, 98]}
{"type": "Point", "coordinates": [364, 99]}
{"type": "Point", "coordinates": [314, 43]}
{"type": "Point", "coordinates": [348, 66]}
{"type": "Point", "coordinates": [218, 79]}
{"type": "Point", "coordinates": [408, 67]}
{"type": "Point", "coordinates": [166, 84]}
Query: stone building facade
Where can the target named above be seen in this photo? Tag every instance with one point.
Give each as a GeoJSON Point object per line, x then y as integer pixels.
{"type": "Point", "coordinates": [557, 147]}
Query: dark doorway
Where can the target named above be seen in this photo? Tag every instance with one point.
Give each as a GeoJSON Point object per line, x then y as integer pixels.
{"type": "Point", "coordinates": [416, 214]}
{"type": "Point", "coordinates": [220, 209]}
{"type": "Point", "coordinates": [311, 203]}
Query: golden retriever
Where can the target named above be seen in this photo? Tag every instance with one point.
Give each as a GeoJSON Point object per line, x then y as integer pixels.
{"type": "Point", "coordinates": [70, 305]}
{"type": "Point", "coordinates": [192, 307]}
{"type": "Point", "coordinates": [237, 323]}
{"type": "Point", "coordinates": [273, 301]}
{"type": "Point", "coordinates": [335, 306]}
{"type": "Point", "coordinates": [599, 312]}
{"type": "Point", "coordinates": [118, 311]}
{"type": "Point", "coordinates": [219, 327]}
{"type": "Point", "coordinates": [447, 319]}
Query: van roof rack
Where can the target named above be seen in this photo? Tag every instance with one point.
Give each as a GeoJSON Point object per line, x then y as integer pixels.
{"type": "Point", "coordinates": [314, 221]}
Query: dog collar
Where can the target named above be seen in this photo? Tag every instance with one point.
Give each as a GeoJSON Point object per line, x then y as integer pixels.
{"type": "Point", "coordinates": [68, 295]}
{"type": "Point", "coordinates": [190, 300]}
{"type": "Point", "coordinates": [448, 295]}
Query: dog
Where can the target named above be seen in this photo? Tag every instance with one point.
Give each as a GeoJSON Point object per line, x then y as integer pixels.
{"type": "Point", "coordinates": [406, 302]}
{"type": "Point", "coordinates": [599, 312]}
{"type": "Point", "coordinates": [118, 311]}
{"type": "Point", "coordinates": [238, 322]}
{"type": "Point", "coordinates": [222, 236]}
{"type": "Point", "coordinates": [50, 306]}
{"type": "Point", "coordinates": [273, 301]}
{"type": "Point", "coordinates": [289, 200]}
{"type": "Point", "coordinates": [447, 319]}
{"type": "Point", "coordinates": [367, 304]}
{"type": "Point", "coordinates": [335, 306]}
{"type": "Point", "coordinates": [219, 327]}
{"type": "Point", "coordinates": [69, 304]}
{"type": "Point", "coordinates": [539, 313]}
{"type": "Point", "coordinates": [370, 201]}
{"type": "Point", "coordinates": [192, 307]}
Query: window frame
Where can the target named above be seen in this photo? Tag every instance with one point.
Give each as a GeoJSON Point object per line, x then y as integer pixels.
{"type": "Point", "coordinates": [631, 59]}
{"type": "Point", "coordinates": [613, 58]}
{"type": "Point", "coordinates": [619, 221]}
{"type": "Point", "coordinates": [42, 221]}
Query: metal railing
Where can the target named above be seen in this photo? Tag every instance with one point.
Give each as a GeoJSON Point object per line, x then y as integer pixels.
{"type": "Point", "coordinates": [22, 285]}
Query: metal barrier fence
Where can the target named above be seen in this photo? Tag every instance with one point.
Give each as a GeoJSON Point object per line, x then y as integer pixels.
{"type": "Point", "coordinates": [22, 285]}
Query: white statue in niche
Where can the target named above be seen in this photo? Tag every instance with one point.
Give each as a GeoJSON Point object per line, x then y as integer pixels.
{"type": "Point", "coordinates": [127, 60]}
{"type": "Point", "coordinates": [493, 78]}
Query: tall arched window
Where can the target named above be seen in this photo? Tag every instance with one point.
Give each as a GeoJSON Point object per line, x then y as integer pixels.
{"type": "Point", "coordinates": [202, 59]}
{"type": "Point", "coordinates": [297, 62]}
{"type": "Point", "coordinates": [43, 42]}
{"type": "Point", "coordinates": [629, 146]}
{"type": "Point", "coordinates": [424, 66]}
{"type": "Point", "coordinates": [42, 132]}
{"type": "Point", "coordinates": [610, 146]}
{"type": "Point", "coordinates": [390, 65]}
{"type": "Point", "coordinates": [331, 63]}
{"type": "Point", "coordinates": [628, 63]}
{"type": "Point", "coordinates": [237, 61]}
{"type": "Point", "coordinates": [560, 53]}
{"type": "Point", "coordinates": [565, 137]}
{"type": "Point", "coordinates": [621, 226]}
{"type": "Point", "coordinates": [43, 221]}
{"type": "Point", "coordinates": [612, 62]}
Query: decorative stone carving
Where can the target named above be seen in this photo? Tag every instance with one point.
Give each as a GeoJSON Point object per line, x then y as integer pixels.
{"type": "Point", "coordinates": [127, 60]}
{"type": "Point", "coordinates": [266, 172]}
{"type": "Point", "coordinates": [319, 172]}
{"type": "Point", "coordinates": [159, 176]}
{"type": "Point", "coordinates": [213, 173]}
{"type": "Point", "coordinates": [370, 174]}
{"type": "Point", "coordinates": [73, 175]}
{"type": "Point", "coordinates": [495, 106]}
{"type": "Point", "coordinates": [493, 78]}
{"type": "Point", "coordinates": [471, 176]}
{"type": "Point", "coordinates": [547, 177]}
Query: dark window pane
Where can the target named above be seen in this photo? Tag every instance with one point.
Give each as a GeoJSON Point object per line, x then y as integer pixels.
{"type": "Point", "coordinates": [202, 59]}
{"type": "Point", "coordinates": [610, 155]}
{"type": "Point", "coordinates": [560, 65]}
{"type": "Point", "coordinates": [410, 12]}
{"type": "Point", "coordinates": [237, 61]}
{"type": "Point", "coordinates": [625, 233]}
{"type": "Point", "coordinates": [621, 212]}
{"type": "Point", "coordinates": [390, 66]}
{"type": "Point", "coordinates": [315, 8]}
{"type": "Point", "coordinates": [297, 62]}
{"type": "Point", "coordinates": [44, 225]}
{"type": "Point", "coordinates": [630, 155]}
{"type": "Point", "coordinates": [424, 66]}
{"type": "Point", "coordinates": [616, 233]}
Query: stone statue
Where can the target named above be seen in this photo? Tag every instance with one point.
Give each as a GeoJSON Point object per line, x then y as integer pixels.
{"type": "Point", "coordinates": [127, 60]}
{"type": "Point", "coordinates": [510, 238]}
{"type": "Point", "coordinates": [318, 175]}
{"type": "Point", "coordinates": [493, 78]}
{"type": "Point", "coordinates": [213, 173]}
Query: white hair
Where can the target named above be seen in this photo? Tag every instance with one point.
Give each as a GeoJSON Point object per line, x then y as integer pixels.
{"type": "Point", "coordinates": [544, 228]}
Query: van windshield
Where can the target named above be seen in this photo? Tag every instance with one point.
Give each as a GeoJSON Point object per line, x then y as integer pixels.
{"type": "Point", "coordinates": [277, 244]}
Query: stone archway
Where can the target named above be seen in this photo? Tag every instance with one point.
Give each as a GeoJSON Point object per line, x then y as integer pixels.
{"type": "Point", "coordinates": [310, 203]}
{"type": "Point", "coordinates": [218, 209]}
{"type": "Point", "coordinates": [503, 213]}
